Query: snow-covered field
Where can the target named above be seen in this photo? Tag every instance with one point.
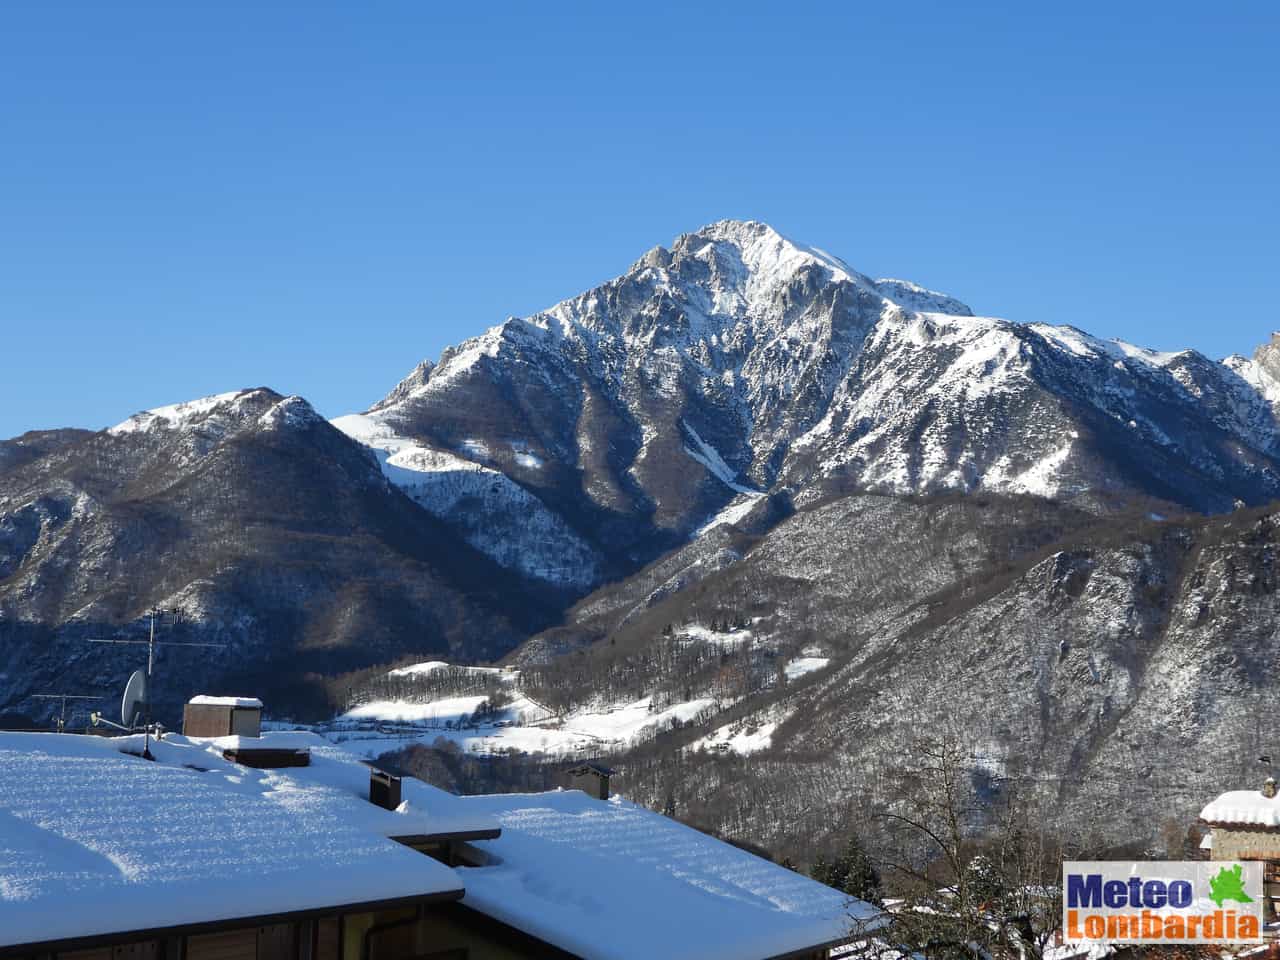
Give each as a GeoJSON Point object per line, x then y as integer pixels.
{"type": "Point", "coordinates": [513, 722]}
{"type": "Point", "coordinates": [802, 665]}
{"type": "Point", "coordinates": [520, 725]}
{"type": "Point", "coordinates": [738, 738]}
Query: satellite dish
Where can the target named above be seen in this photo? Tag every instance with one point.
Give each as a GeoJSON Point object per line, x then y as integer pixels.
{"type": "Point", "coordinates": [135, 699]}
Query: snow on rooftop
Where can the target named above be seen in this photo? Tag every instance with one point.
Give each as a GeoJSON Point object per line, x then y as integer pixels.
{"type": "Point", "coordinates": [192, 838]}
{"type": "Point", "coordinates": [207, 701]}
{"type": "Point", "coordinates": [613, 881]}
{"type": "Point", "coordinates": [1247, 807]}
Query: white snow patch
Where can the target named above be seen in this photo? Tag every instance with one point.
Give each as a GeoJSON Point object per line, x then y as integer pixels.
{"type": "Point", "coordinates": [1041, 479]}
{"type": "Point", "coordinates": [418, 669]}
{"type": "Point", "coordinates": [729, 638]}
{"type": "Point", "coordinates": [626, 723]}
{"type": "Point", "coordinates": [710, 458]}
{"type": "Point", "coordinates": [519, 531]}
{"type": "Point", "coordinates": [1081, 344]}
{"type": "Point", "coordinates": [431, 666]}
{"type": "Point", "coordinates": [207, 701]}
{"type": "Point", "coordinates": [731, 513]}
{"type": "Point", "coordinates": [803, 665]}
{"type": "Point", "coordinates": [174, 414]}
{"type": "Point", "coordinates": [447, 710]}
{"type": "Point", "coordinates": [476, 449]}
{"type": "Point", "coordinates": [521, 725]}
{"type": "Point", "coordinates": [737, 738]}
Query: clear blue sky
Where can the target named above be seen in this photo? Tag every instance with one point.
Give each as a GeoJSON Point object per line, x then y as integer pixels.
{"type": "Point", "coordinates": [314, 196]}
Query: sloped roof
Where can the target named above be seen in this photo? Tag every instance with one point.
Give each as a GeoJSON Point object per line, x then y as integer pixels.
{"type": "Point", "coordinates": [133, 844]}
{"type": "Point", "coordinates": [192, 838]}
{"type": "Point", "coordinates": [610, 880]}
{"type": "Point", "coordinates": [1245, 808]}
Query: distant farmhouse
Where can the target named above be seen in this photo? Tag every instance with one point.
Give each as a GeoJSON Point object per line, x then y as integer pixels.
{"type": "Point", "coordinates": [1245, 825]}
{"type": "Point", "coordinates": [286, 847]}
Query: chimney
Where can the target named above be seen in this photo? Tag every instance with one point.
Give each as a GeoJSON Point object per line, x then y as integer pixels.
{"type": "Point", "coordinates": [384, 789]}
{"type": "Point", "coordinates": [206, 716]}
{"type": "Point", "coordinates": [592, 779]}
{"type": "Point", "coordinates": [1269, 787]}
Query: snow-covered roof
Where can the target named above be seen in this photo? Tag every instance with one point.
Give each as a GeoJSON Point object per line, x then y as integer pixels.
{"type": "Point", "coordinates": [193, 838]}
{"type": "Point", "coordinates": [1244, 807]}
{"type": "Point", "coordinates": [611, 880]}
{"type": "Point", "coordinates": [207, 701]}
{"type": "Point", "coordinates": [339, 780]}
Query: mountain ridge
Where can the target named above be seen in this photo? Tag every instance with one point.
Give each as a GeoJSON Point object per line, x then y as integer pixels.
{"type": "Point", "coordinates": [771, 364]}
{"type": "Point", "coordinates": [580, 476]}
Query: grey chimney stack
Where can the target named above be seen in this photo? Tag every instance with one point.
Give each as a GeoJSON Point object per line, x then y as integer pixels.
{"type": "Point", "coordinates": [1269, 787]}
{"type": "Point", "coordinates": [384, 789]}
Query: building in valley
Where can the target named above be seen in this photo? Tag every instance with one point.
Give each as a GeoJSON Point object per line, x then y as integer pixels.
{"type": "Point", "coordinates": [271, 848]}
{"type": "Point", "coordinates": [1245, 825]}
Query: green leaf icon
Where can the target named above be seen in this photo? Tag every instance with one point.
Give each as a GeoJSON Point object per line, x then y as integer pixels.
{"type": "Point", "coordinates": [1228, 884]}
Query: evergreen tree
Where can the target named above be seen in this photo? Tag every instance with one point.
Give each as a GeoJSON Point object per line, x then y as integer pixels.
{"type": "Point", "coordinates": [851, 871]}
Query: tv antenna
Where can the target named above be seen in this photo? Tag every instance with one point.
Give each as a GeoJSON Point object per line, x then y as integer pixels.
{"type": "Point", "coordinates": [137, 693]}
{"type": "Point", "coordinates": [64, 697]}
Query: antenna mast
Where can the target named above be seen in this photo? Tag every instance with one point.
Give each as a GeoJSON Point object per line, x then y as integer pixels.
{"type": "Point", "coordinates": [151, 656]}
{"type": "Point", "coordinates": [64, 697]}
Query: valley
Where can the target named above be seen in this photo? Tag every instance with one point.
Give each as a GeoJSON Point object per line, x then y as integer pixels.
{"type": "Point", "coordinates": [742, 521]}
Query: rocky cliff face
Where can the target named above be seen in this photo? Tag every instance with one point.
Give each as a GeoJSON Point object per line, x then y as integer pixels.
{"type": "Point", "coordinates": [738, 362]}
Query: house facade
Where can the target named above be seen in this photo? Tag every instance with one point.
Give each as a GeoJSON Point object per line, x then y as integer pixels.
{"type": "Point", "coordinates": [1245, 825]}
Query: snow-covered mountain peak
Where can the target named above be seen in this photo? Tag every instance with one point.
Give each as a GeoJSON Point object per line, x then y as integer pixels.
{"type": "Point", "coordinates": [1262, 370]}
{"type": "Point", "coordinates": [176, 415]}
{"type": "Point", "coordinates": [716, 295]}
{"type": "Point", "coordinates": [223, 413]}
{"type": "Point", "coordinates": [790, 366]}
{"type": "Point", "coordinates": [767, 258]}
{"type": "Point", "coordinates": [292, 411]}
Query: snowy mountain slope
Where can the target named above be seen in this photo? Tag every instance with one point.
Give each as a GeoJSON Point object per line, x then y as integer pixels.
{"type": "Point", "coordinates": [739, 361]}
{"type": "Point", "coordinates": [1118, 667]}
{"type": "Point", "coordinates": [493, 513]}
{"type": "Point", "coordinates": [269, 530]}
